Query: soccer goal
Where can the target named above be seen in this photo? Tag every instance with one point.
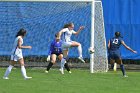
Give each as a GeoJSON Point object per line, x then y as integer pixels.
{"type": "Point", "coordinates": [98, 60]}
{"type": "Point", "coordinates": [43, 18]}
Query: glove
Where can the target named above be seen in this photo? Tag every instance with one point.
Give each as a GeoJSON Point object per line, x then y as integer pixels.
{"type": "Point", "coordinates": [48, 58]}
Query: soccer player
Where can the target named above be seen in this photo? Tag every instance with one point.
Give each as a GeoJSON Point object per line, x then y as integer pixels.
{"type": "Point", "coordinates": [56, 50]}
{"type": "Point", "coordinates": [114, 51]}
{"type": "Point", "coordinates": [66, 34]}
{"type": "Point", "coordinates": [16, 54]}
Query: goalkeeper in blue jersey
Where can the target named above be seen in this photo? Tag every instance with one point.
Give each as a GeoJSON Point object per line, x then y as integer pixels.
{"type": "Point", "coordinates": [56, 50]}
{"type": "Point", "coordinates": [114, 51]}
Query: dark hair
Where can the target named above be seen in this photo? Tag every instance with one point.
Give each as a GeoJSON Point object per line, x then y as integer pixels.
{"type": "Point", "coordinates": [56, 35]}
{"type": "Point", "coordinates": [67, 25]}
{"type": "Point", "coordinates": [21, 32]}
{"type": "Point", "coordinates": [117, 34]}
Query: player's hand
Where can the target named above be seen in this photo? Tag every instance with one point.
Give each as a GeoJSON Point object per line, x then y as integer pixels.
{"type": "Point", "coordinates": [135, 52]}
{"type": "Point", "coordinates": [81, 27]}
{"type": "Point", "coordinates": [48, 58]}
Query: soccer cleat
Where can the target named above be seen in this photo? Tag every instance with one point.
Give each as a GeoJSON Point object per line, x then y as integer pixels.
{"type": "Point", "coordinates": [125, 76]}
{"type": "Point", "coordinates": [5, 78]}
{"type": "Point", "coordinates": [62, 71]}
{"type": "Point", "coordinates": [70, 72]}
{"type": "Point", "coordinates": [81, 59]}
{"type": "Point", "coordinates": [46, 71]}
{"type": "Point", "coordinates": [27, 78]}
{"type": "Point", "coordinates": [115, 67]}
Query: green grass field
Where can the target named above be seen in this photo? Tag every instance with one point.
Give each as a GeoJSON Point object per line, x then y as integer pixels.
{"type": "Point", "coordinates": [80, 81]}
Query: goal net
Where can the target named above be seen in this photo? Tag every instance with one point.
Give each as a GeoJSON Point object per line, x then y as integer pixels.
{"type": "Point", "coordinates": [100, 59]}
{"type": "Point", "coordinates": [42, 19]}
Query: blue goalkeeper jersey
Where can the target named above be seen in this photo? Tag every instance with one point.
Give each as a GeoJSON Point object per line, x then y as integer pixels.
{"type": "Point", "coordinates": [55, 47]}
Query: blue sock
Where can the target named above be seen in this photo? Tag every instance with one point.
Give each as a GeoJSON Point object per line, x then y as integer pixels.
{"type": "Point", "coordinates": [122, 68]}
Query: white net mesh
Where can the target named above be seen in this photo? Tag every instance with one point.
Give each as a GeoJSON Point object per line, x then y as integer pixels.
{"type": "Point", "coordinates": [100, 55]}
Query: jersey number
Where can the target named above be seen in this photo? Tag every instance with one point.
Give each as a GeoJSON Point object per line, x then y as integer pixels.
{"type": "Point", "coordinates": [115, 41]}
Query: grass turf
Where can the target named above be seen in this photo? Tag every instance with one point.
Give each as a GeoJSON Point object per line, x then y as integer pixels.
{"type": "Point", "coordinates": [80, 81]}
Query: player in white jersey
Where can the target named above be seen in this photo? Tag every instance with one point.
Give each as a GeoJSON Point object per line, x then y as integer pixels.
{"type": "Point", "coordinates": [66, 34]}
{"type": "Point", "coordinates": [16, 54]}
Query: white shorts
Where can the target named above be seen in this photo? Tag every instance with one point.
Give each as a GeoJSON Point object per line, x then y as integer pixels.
{"type": "Point", "coordinates": [66, 45]}
{"type": "Point", "coordinates": [16, 57]}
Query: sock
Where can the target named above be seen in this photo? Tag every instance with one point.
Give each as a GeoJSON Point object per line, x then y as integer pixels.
{"type": "Point", "coordinates": [49, 66]}
{"type": "Point", "coordinates": [122, 68]}
{"type": "Point", "coordinates": [67, 67]}
{"type": "Point", "coordinates": [23, 71]}
{"type": "Point", "coordinates": [80, 51]}
{"type": "Point", "coordinates": [63, 61]}
{"type": "Point", "coordinates": [8, 71]}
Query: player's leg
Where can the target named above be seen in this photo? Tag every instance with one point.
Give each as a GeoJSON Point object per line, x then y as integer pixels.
{"type": "Point", "coordinates": [78, 45]}
{"type": "Point", "coordinates": [53, 60]}
{"type": "Point", "coordinates": [66, 64]}
{"type": "Point", "coordinates": [63, 60]}
{"type": "Point", "coordinates": [112, 61]}
{"type": "Point", "coordinates": [8, 70]}
{"type": "Point", "coordinates": [23, 70]}
{"type": "Point", "coordinates": [119, 61]}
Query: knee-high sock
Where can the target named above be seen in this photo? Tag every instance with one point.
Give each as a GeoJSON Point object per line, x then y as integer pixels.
{"type": "Point", "coordinates": [122, 69]}
{"type": "Point", "coordinates": [63, 61]}
{"type": "Point", "coordinates": [49, 66]}
{"type": "Point", "coordinates": [67, 67]}
{"type": "Point", "coordinates": [8, 71]}
{"type": "Point", "coordinates": [23, 71]}
{"type": "Point", "coordinates": [80, 51]}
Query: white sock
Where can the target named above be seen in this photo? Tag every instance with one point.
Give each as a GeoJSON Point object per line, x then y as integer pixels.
{"type": "Point", "coordinates": [23, 71]}
{"type": "Point", "coordinates": [8, 71]}
{"type": "Point", "coordinates": [63, 61]}
{"type": "Point", "coordinates": [80, 51]}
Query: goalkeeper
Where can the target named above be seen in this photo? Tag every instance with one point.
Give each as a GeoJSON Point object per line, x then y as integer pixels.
{"type": "Point", "coordinates": [56, 50]}
{"type": "Point", "coordinates": [114, 51]}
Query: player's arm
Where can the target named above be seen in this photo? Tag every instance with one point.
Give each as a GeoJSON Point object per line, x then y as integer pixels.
{"type": "Point", "coordinates": [20, 44]}
{"type": "Point", "coordinates": [50, 51]}
{"type": "Point", "coordinates": [79, 30]}
{"type": "Point", "coordinates": [127, 47]}
{"type": "Point", "coordinates": [109, 44]}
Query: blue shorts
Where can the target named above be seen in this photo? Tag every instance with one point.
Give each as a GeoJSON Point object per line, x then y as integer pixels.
{"type": "Point", "coordinates": [114, 55]}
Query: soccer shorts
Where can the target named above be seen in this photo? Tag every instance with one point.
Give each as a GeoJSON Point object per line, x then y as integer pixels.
{"type": "Point", "coordinates": [66, 45]}
{"type": "Point", "coordinates": [57, 54]}
{"type": "Point", "coordinates": [114, 55]}
{"type": "Point", "coordinates": [15, 57]}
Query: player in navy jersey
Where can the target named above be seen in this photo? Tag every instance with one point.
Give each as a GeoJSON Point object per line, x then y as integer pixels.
{"type": "Point", "coordinates": [56, 50]}
{"type": "Point", "coordinates": [114, 50]}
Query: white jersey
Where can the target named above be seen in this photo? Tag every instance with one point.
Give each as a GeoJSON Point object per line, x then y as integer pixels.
{"type": "Point", "coordinates": [16, 52]}
{"type": "Point", "coordinates": [66, 36]}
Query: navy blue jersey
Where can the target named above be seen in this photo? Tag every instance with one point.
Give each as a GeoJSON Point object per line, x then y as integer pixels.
{"type": "Point", "coordinates": [115, 44]}
{"type": "Point", "coordinates": [55, 47]}
{"type": "Point", "coordinates": [114, 50]}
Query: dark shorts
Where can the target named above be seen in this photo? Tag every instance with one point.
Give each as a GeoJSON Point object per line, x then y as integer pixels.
{"type": "Point", "coordinates": [57, 54]}
{"type": "Point", "coordinates": [114, 55]}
